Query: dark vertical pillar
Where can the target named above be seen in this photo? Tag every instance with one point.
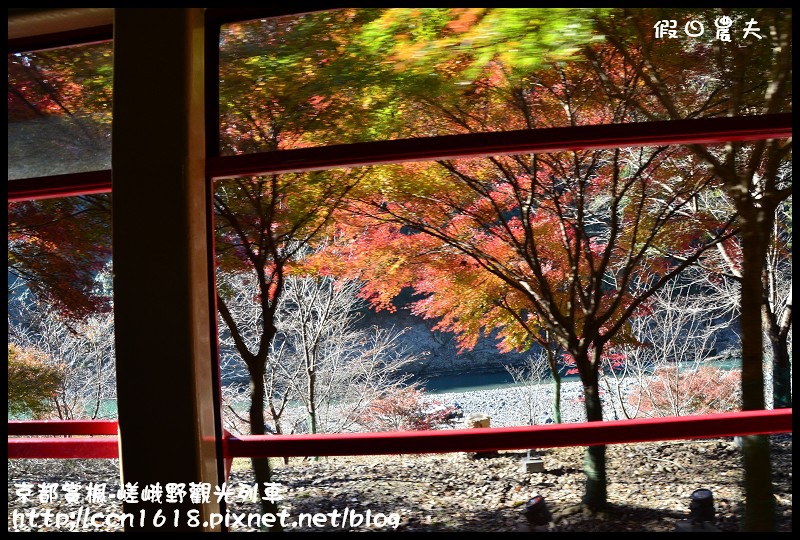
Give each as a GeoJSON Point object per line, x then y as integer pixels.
{"type": "Point", "coordinates": [161, 293]}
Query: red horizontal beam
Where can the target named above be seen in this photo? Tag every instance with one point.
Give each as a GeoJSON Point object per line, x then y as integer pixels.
{"type": "Point", "coordinates": [60, 185]}
{"type": "Point", "coordinates": [410, 442]}
{"type": "Point", "coordinates": [62, 448]}
{"type": "Point", "coordinates": [62, 427]}
{"type": "Point", "coordinates": [81, 447]}
{"type": "Point", "coordinates": [657, 133]}
{"type": "Point", "coordinates": [513, 438]}
{"type": "Point", "coordinates": [697, 131]}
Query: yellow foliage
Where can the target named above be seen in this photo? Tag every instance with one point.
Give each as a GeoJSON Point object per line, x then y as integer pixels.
{"type": "Point", "coordinates": [32, 382]}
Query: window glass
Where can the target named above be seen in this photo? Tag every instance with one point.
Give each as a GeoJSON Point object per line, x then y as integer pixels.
{"type": "Point", "coordinates": [435, 274]}
{"type": "Point", "coordinates": [60, 318]}
{"type": "Point", "coordinates": [355, 75]}
{"type": "Point", "coordinates": [59, 111]}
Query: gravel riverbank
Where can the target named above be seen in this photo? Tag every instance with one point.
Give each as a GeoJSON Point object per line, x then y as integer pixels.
{"type": "Point", "coordinates": [519, 405]}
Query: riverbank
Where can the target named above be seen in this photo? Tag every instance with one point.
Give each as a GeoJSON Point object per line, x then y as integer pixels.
{"type": "Point", "coordinates": [522, 405]}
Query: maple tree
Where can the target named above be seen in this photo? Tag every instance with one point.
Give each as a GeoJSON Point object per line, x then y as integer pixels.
{"type": "Point", "coordinates": [573, 243]}
{"type": "Point", "coordinates": [32, 382]}
{"type": "Point", "coordinates": [407, 409]}
{"type": "Point", "coordinates": [352, 75]}
{"type": "Point", "coordinates": [59, 245]}
{"type": "Point", "coordinates": [673, 392]}
{"type": "Point", "coordinates": [270, 102]}
{"type": "Point", "coordinates": [66, 92]}
{"type": "Point", "coordinates": [746, 74]}
{"type": "Point", "coordinates": [673, 79]}
{"type": "Point", "coordinates": [289, 83]}
{"type": "Point", "coordinates": [299, 81]}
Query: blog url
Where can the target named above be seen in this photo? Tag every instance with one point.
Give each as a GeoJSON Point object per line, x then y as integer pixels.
{"type": "Point", "coordinates": [84, 518]}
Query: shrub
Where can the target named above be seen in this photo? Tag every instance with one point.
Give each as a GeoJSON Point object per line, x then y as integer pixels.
{"type": "Point", "coordinates": [671, 392]}
{"type": "Point", "coordinates": [407, 409]}
{"type": "Point", "coordinates": [32, 382]}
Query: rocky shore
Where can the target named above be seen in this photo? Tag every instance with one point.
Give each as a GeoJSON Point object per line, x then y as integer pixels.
{"type": "Point", "coordinates": [520, 405]}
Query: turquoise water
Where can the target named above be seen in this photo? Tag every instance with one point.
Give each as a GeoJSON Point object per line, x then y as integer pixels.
{"type": "Point", "coordinates": [108, 411]}
{"type": "Point", "coordinates": [474, 381]}
{"type": "Point", "coordinates": [467, 382]}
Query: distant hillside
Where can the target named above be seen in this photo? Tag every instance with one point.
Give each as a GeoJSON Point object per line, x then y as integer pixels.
{"type": "Point", "coordinates": [438, 349]}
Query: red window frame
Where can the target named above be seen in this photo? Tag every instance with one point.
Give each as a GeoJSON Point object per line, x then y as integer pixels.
{"type": "Point", "coordinates": [696, 131]}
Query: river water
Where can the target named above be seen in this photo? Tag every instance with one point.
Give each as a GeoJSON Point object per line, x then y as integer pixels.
{"type": "Point", "coordinates": [466, 382]}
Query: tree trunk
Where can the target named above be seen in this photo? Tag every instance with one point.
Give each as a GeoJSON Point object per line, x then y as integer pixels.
{"type": "Point", "coordinates": [312, 407]}
{"type": "Point", "coordinates": [552, 360]}
{"type": "Point", "coordinates": [777, 322]}
{"type": "Point", "coordinates": [777, 332]}
{"type": "Point", "coordinates": [781, 374]}
{"type": "Point", "coordinates": [556, 397]}
{"type": "Point", "coordinates": [759, 512]}
{"type": "Point", "coordinates": [261, 468]}
{"type": "Point", "coordinates": [594, 462]}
